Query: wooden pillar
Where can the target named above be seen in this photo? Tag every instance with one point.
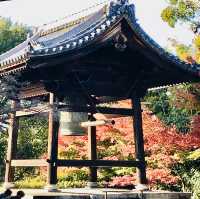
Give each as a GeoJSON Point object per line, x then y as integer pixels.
{"type": "Point", "coordinates": [139, 141]}
{"type": "Point", "coordinates": [52, 145]}
{"type": "Point", "coordinates": [12, 145]}
{"type": "Point", "coordinates": [92, 153]}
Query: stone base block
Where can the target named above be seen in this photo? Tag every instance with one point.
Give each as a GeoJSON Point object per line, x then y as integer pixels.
{"type": "Point", "coordinates": [51, 188]}
{"type": "Point", "coordinates": [100, 194]}
{"type": "Point", "coordinates": [91, 185]}
{"type": "Point", "coordinates": [8, 185]}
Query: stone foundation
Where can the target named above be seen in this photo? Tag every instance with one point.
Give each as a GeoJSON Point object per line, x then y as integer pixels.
{"type": "Point", "coordinates": [101, 194]}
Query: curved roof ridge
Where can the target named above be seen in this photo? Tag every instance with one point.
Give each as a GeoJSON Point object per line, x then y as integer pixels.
{"type": "Point", "coordinates": [113, 13]}
{"type": "Point", "coordinates": [76, 30]}
{"type": "Point", "coordinates": [71, 20]}
{"type": "Point", "coordinates": [59, 27]}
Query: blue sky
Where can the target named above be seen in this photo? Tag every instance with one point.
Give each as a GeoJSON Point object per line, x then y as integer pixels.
{"type": "Point", "coordinates": [38, 12]}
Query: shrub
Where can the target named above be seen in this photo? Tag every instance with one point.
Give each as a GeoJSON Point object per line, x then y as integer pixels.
{"type": "Point", "coordinates": [162, 104]}
{"type": "Point", "coordinates": [67, 178]}
{"type": "Point", "coordinates": [189, 173]}
{"type": "Point", "coordinates": [71, 184]}
{"type": "Point", "coordinates": [72, 174]}
{"type": "Point", "coordinates": [31, 182]}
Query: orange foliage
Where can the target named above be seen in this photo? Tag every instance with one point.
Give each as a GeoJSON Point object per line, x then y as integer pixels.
{"type": "Point", "coordinates": [161, 145]}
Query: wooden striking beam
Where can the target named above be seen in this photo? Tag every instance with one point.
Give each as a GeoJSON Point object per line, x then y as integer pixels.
{"type": "Point", "coordinates": [97, 163]}
{"type": "Point", "coordinates": [29, 163]}
{"type": "Point", "coordinates": [97, 123]}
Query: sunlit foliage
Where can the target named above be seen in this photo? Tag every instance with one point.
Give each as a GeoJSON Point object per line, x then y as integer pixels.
{"type": "Point", "coordinates": [179, 10]}
{"type": "Point", "coordinates": [10, 34]}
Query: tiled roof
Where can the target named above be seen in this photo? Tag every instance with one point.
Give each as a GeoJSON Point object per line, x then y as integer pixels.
{"type": "Point", "coordinates": [77, 37]}
{"type": "Point", "coordinates": [66, 37]}
{"type": "Point", "coordinates": [44, 35]}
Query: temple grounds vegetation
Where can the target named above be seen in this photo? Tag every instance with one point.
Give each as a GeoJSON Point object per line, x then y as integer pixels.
{"type": "Point", "coordinates": [172, 156]}
{"type": "Point", "coordinates": [171, 127]}
{"type": "Point", "coordinates": [180, 10]}
{"type": "Point", "coordinates": [187, 12]}
{"type": "Point", "coordinates": [11, 34]}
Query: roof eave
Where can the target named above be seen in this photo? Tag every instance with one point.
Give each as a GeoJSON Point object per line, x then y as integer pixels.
{"type": "Point", "coordinates": [153, 46]}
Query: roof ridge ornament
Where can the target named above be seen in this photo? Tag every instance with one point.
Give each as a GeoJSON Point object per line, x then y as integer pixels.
{"type": "Point", "coordinates": [118, 7]}
{"type": "Point", "coordinates": [123, 2]}
{"type": "Point", "coordinates": [121, 42]}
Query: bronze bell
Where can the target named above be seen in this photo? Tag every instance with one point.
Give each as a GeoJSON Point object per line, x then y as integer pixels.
{"type": "Point", "coordinates": [70, 122]}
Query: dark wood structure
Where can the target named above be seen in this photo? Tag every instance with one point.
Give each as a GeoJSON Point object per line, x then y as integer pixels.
{"type": "Point", "coordinates": [102, 57]}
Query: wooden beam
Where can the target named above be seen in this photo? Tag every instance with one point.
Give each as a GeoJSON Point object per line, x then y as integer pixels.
{"type": "Point", "coordinates": [115, 111]}
{"type": "Point", "coordinates": [98, 163]}
{"type": "Point", "coordinates": [31, 91]}
{"type": "Point", "coordinates": [103, 110]}
{"type": "Point", "coordinates": [75, 163]}
{"type": "Point", "coordinates": [29, 163]}
{"type": "Point", "coordinates": [33, 110]}
{"type": "Point", "coordinates": [52, 142]}
{"type": "Point", "coordinates": [12, 143]}
{"type": "Point", "coordinates": [108, 99]}
{"type": "Point", "coordinates": [98, 88]}
{"type": "Point", "coordinates": [139, 140]}
{"type": "Point", "coordinates": [92, 152]}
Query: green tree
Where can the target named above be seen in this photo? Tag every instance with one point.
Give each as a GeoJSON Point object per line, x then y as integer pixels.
{"type": "Point", "coordinates": [186, 97]}
{"type": "Point", "coordinates": [180, 11]}
{"type": "Point", "coordinates": [182, 104]}
{"type": "Point", "coordinates": [32, 139]}
{"type": "Point", "coordinates": [164, 103]}
{"type": "Point", "coordinates": [32, 143]}
{"type": "Point", "coordinates": [187, 12]}
{"type": "Point", "coordinates": [11, 34]}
